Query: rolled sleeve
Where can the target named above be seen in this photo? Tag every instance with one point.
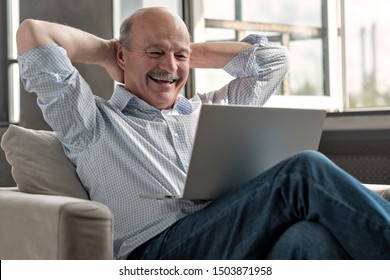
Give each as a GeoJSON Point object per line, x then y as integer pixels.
{"type": "Point", "coordinates": [258, 58]}
{"type": "Point", "coordinates": [258, 70]}
{"type": "Point", "coordinates": [64, 97]}
{"type": "Point", "coordinates": [44, 69]}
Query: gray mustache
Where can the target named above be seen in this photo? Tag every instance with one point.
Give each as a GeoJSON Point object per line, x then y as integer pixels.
{"type": "Point", "coordinates": [164, 76]}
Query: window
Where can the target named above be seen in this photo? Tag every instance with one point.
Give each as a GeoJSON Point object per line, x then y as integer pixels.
{"type": "Point", "coordinates": [296, 26]}
{"type": "Point", "coordinates": [304, 29]}
{"type": "Point", "coordinates": [9, 71]}
{"type": "Point", "coordinates": [367, 44]}
{"type": "Point", "coordinates": [337, 48]}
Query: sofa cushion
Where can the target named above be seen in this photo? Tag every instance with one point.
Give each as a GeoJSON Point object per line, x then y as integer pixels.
{"type": "Point", "coordinates": [39, 164]}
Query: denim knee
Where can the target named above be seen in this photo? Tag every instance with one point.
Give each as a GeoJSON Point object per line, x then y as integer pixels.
{"type": "Point", "coordinates": [307, 240]}
{"type": "Point", "coordinates": [311, 156]}
{"type": "Point", "coordinates": [309, 163]}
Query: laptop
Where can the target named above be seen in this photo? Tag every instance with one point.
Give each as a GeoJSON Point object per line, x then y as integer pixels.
{"type": "Point", "coordinates": [234, 144]}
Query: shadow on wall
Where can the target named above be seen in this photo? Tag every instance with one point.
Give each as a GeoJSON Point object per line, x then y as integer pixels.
{"type": "Point", "coordinates": [5, 169]}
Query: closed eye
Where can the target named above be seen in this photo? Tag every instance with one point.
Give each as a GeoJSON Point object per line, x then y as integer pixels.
{"type": "Point", "coordinates": [181, 57]}
{"type": "Point", "coordinates": [155, 54]}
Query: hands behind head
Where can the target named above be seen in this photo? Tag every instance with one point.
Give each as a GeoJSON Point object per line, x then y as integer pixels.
{"type": "Point", "coordinates": [111, 66]}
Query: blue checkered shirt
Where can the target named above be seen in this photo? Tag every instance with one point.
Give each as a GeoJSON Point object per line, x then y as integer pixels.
{"type": "Point", "coordinates": [123, 147]}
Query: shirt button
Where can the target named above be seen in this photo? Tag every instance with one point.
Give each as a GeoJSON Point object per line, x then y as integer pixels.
{"type": "Point", "coordinates": [176, 134]}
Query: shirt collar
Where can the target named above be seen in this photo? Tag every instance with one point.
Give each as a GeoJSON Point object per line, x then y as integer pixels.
{"type": "Point", "coordinates": [183, 106]}
{"type": "Point", "coordinates": [122, 98]}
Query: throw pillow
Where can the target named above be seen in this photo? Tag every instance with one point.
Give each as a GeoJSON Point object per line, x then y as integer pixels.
{"type": "Point", "coordinates": [39, 164]}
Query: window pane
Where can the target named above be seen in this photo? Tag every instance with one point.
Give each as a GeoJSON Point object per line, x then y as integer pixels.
{"type": "Point", "coordinates": [219, 9]}
{"type": "Point", "coordinates": [283, 11]}
{"type": "Point", "coordinates": [9, 82]}
{"type": "Point", "coordinates": [129, 7]}
{"type": "Point", "coordinates": [367, 43]}
{"type": "Point", "coordinates": [212, 10]}
{"type": "Point", "coordinates": [13, 77]}
{"type": "Point", "coordinates": [296, 24]}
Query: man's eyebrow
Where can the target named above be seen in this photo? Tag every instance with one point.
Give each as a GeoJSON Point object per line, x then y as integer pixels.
{"type": "Point", "coordinates": [157, 46]}
{"type": "Point", "coordinates": [164, 47]}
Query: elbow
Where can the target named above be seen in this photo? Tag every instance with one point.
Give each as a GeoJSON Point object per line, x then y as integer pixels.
{"type": "Point", "coordinates": [23, 34]}
{"type": "Point", "coordinates": [284, 59]}
{"type": "Point", "coordinates": [27, 36]}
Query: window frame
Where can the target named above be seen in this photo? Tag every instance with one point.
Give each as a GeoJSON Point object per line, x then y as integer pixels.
{"type": "Point", "coordinates": [10, 89]}
{"type": "Point", "coordinates": [334, 96]}
{"type": "Point", "coordinates": [4, 117]}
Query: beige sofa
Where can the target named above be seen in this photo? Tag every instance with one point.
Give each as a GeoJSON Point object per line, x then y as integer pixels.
{"type": "Point", "coordinates": [49, 215]}
{"type": "Point", "coordinates": [47, 227]}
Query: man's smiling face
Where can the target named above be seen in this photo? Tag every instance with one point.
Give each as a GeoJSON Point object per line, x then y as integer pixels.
{"type": "Point", "coordinates": [156, 65]}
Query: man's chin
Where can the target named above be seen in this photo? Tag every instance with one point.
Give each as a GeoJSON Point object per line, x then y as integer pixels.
{"type": "Point", "coordinates": [163, 100]}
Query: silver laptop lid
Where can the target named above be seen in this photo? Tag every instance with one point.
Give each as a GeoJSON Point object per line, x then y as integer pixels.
{"type": "Point", "coordinates": [233, 144]}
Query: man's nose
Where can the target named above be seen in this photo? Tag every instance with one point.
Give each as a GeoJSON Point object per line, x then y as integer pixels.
{"type": "Point", "coordinates": [169, 63]}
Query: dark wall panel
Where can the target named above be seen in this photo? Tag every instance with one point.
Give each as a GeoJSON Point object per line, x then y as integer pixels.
{"type": "Point", "coordinates": [94, 16]}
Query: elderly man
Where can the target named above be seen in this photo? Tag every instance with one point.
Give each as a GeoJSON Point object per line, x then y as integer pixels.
{"type": "Point", "coordinates": [141, 139]}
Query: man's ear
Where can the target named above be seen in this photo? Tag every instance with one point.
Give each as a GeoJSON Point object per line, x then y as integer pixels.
{"type": "Point", "coordinates": [120, 56]}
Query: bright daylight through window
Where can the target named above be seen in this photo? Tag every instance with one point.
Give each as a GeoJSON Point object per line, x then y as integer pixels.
{"type": "Point", "coordinates": [9, 70]}
{"type": "Point", "coordinates": [367, 44]}
{"type": "Point", "coordinates": [337, 48]}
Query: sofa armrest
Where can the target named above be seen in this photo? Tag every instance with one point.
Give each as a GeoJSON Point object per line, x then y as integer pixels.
{"type": "Point", "coordinates": [53, 227]}
{"type": "Point", "coordinates": [381, 190]}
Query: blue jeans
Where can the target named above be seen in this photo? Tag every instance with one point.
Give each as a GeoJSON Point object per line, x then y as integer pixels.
{"type": "Point", "coordinates": [303, 208]}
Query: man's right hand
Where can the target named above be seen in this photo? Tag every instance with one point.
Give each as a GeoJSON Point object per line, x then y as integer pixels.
{"type": "Point", "coordinates": [81, 47]}
{"type": "Point", "coordinates": [111, 66]}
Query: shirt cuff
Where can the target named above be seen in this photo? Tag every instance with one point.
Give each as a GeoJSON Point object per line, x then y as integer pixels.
{"type": "Point", "coordinates": [244, 63]}
{"type": "Point", "coordinates": [49, 59]}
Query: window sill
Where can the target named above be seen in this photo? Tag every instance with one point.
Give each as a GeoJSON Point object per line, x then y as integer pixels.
{"type": "Point", "coordinates": [357, 126]}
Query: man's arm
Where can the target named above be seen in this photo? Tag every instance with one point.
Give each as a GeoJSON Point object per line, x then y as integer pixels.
{"type": "Point", "coordinates": [257, 65]}
{"type": "Point", "coordinates": [66, 100]}
{"type": "Point", "coordinates": [81, 46]}
{"type": "Point", "coordinates": [214, 55]}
